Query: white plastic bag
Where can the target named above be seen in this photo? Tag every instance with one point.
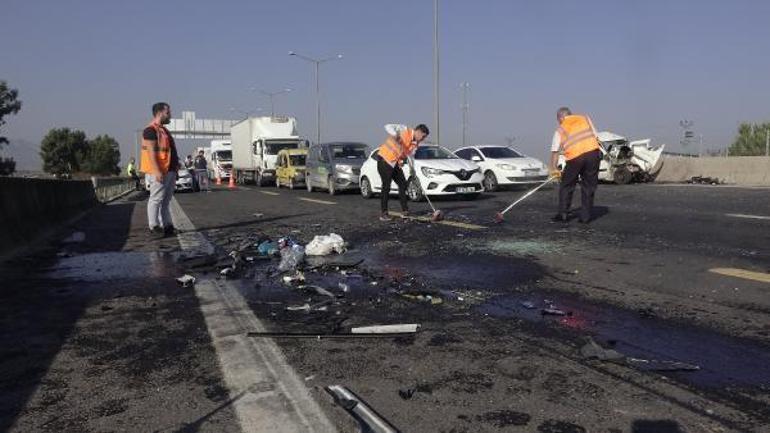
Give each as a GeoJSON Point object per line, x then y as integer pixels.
{"type": "Point", "coordinates": [291, 257]}
{"type": "Point", "coordinates": [325, 245]}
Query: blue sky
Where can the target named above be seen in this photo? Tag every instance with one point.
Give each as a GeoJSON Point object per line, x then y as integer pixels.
{"type": "Point", "coordinates": [636, 67]}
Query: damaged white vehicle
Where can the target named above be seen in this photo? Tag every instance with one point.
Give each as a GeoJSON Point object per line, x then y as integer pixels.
{"type": "Point", "coordinates": [626, 161]}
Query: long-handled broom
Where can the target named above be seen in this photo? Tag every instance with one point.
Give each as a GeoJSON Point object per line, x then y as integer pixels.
{"type": "Point", "coordinates": [499, 216]}
{"type": "Point", "coordinates": [437, 214]}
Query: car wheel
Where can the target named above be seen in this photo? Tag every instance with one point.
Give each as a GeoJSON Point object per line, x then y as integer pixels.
{"type": "Point", "coordinates": [366, 188]}
{"type": "Point", "coordinates": [490, 181]}
{"type": "Point", "coordinates": [330, 186]}
{"type": "Point", "coordinates": [307, 183]}
{"type": "Point", "coordinates": [622, 176]}
{"type": "Point", "coordinates": [414, 191]}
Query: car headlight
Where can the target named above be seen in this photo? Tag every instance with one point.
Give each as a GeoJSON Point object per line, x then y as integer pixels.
{"type": "Point", "coordinates": [430, 172]}
{"type": "Point", "coordinates": [342, 168]}
{"type": "Point", "coordinates": [506, 167]}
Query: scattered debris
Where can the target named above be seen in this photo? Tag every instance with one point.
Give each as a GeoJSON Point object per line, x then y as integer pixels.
{"type": "Point", "coordinates": [551, 310]}
{"type": "Point", "coordinates": [344, 287]}
{"type": "Point", "coordinates": [291, 257]}
{"type": "Point", "coordinates": [423, 297]}
{"type": "Point", "coordinates": [298, 277]}
{"type": "Point", "coordinates": [227, 272]}
{"type": "Point", "coordinates": [406, 393]}
{"type": "Point", "coordinates": [75, 238]}
{"type": "Point", "coordinates": [303, 307]}
{"type": "Point", "coordinates": [324, 245]}
{"type": "Point", "coordinates": [387, 329]}
{"type": "Point", "coordinates": [321, 291]}
{"type": "Point", "coordinates": [504, 418]}
{"type": "Point", "coordinates": [657, 365]}
{"type": "Point", "coordinates": [258, 215]}
{"type": "Point", "coordinates": [701, 180]}
{"type": "Point", "coordinates": [186, 280]}
{"type": "Point", "coordinates": [267, 248]}
{"type": "Point", "coordinates": [367, 418]}
{"type": "Point", "coordinates": [592, 350]}
{"type": "Point", "coordinates": [529, 305]}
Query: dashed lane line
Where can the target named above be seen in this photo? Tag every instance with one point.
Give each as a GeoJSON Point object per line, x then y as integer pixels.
{"type": "Point", "coordinates": [747, 216]}
{"type": "Point", "coordinates": [762, 277]}
{"type": "Point", "coordinates": [266, 392]}
{"type": "Point", "coordinates": [450, 223]}
{"type": "Point", "coordinates": [270, 193]}
{"type": "Point", "coordinates": [312, 200]}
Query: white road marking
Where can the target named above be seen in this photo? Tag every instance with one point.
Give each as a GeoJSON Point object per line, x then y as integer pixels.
{"type": "Point", "coordinates": [751, 217]}
{"type": "Point", "coordinates": [746, 274]}
{"type": "Point", "coordinates": [312, 200]}
{"type": "Point", "coordinates": [268, 395]}
{"type": "Point", "coordinates": [270, 193]}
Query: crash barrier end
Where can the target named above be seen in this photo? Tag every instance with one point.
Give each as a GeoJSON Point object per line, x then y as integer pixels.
{"type": "Point", "coordinates": [735, 170]}
{"type": "Point", "coordinates": [110, 188]}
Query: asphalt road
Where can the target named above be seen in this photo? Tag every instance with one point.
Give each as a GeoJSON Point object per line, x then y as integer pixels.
{"type": "Point", "coordinates": [664, 274]}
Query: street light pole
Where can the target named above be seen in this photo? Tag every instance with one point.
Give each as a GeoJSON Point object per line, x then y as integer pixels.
{"type": "Point", "coordinates": [436, 115]}
{"type": "Point", "coordinates": [465, 86]}
{"type": "Point", "coordinates": [317, 63]}
{"type": "Point", "coordinates": [272, 96]}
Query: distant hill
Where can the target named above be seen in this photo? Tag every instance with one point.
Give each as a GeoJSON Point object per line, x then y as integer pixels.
{"type": "Point", "coordinates": [25, 153]}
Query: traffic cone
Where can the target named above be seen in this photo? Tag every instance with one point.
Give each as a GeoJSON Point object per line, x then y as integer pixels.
{"type": "Point", "coordinates": [231, 185]}
{"type": "Point", "coordinates": [219, 179]}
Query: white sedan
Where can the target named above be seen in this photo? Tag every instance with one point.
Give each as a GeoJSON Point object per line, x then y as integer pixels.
{"type": "Point", "coordinates": [503, 165]}
{"type": "Point", "coordinates": [439, 172]}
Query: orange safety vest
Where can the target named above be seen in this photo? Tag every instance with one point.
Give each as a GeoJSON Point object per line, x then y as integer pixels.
{"type": "Point", "coordinates": [159, 150]}
{"type": "Point", "coordinates": [393, 151]}
{"type": "Point", "coordinates": [577, 136]}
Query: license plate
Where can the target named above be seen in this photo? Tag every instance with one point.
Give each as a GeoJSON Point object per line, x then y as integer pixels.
{"type": "Point", "coordinates": [462, 189]}
{"type": "Point", "coordinates": [530, 170]}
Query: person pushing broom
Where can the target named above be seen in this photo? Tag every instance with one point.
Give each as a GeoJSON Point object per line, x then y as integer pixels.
{"type": "Point", "coordinates": [400, 145]}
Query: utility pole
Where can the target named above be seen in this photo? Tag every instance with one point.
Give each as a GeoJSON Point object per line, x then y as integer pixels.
{"type": "Point", "coordinates": [317, 63]}
{"type": "Point", "coordinates": [465, 86]}
{"type": "Point", "coordinates": [436, 116]}
{"type": "Point", "coordinates": [767, 142]}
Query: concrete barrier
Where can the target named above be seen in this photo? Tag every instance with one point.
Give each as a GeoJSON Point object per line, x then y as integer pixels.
{"type": "Point", "coordinates": [110, 188]}
{"type": "Point", "coordinates": [735, 170]}
{"type": "Point", "coordinates": [31, 207]}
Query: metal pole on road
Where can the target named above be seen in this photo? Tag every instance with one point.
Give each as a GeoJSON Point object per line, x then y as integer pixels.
{"type": "Point", "coordinates": [317, 63]}
{"type": "Point", "coordinates": [767, 142]}
{"type": "Point", "coordinates": [436, 115]}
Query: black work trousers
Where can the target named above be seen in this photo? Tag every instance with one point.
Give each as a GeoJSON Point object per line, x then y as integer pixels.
{"type": "Point", "coordinates": [586, 168]}
{"type": "Point", "coordinates": [390, 174]}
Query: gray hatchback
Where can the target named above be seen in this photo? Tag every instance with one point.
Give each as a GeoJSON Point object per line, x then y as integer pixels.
{"type": "Point", "coordinates": [335, 166]}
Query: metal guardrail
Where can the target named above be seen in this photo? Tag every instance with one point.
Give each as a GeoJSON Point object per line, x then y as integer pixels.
{"type": "Point", "coordinates": [110, 188]}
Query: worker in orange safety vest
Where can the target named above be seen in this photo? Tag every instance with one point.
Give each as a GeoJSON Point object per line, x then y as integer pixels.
{"type": "Point", "coordinates": [576, 139]}
{"type": "Point", "coordinates": [400, 144]}
{"type": "Point", "coordinates": [160, 163]}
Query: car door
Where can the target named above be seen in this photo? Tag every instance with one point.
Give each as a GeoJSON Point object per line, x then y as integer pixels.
{"type": "Point", "coordinates": [323, 172]}
{"type": "Point", "coordinates": [311, 165]}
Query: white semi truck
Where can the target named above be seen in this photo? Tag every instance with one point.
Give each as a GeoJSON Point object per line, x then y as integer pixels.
{"type": "Point", "coordinates": [255, 144]}
{"type": "Point", "coordinates": [219, 156]}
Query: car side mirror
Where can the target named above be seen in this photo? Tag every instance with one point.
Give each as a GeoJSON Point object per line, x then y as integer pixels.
{"type": "Point", "coordinates": [476, 158]}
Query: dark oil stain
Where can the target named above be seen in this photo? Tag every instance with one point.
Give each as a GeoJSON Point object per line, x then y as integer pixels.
{"type": "Point", "coordinates": [504, 418]}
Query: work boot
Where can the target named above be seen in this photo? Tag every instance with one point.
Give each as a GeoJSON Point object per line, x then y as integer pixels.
{"type": "Point", "coordinates": [169, 231]}
{"type": "Point", "coordinates": [385, 217]}
{"type": "Point", "coordinates": [560, 218]}
{"type": "Point", "coordinates": [155, 232]}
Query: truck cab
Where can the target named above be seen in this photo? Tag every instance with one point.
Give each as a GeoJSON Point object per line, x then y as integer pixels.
{"type": "Point", "coordinates": [220, 159]}
{"type": "Point", "coordinates": [256, 143]}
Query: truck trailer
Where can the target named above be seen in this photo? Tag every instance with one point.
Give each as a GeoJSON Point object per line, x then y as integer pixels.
{"type": "Point", "coordinates": [255, 143]}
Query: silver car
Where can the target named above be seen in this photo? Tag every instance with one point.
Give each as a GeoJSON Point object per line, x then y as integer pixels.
{"type": "Point", "coordinates": [334, 166]}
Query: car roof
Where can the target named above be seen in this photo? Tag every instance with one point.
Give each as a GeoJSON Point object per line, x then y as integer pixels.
{"type": "Point", "coordinates": [343, 143]}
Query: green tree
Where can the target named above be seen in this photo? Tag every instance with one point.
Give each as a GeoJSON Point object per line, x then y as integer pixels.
{"type": "Point", "coordinates": [750, 140]}
{"type": "Point", "coordinates": [63, 151]}
{"type": "Point", "coordinates": [102, 156]}
{"type": "Point", "coordinates": [9, 104]}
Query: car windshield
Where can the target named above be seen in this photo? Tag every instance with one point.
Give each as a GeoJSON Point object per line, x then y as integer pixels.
{"type": "Point", "coordinates": [273, 147]}
{"type": "Point", "coordinates": [348, 151]}
{"type": "Point", "coordinates": [297, 160]}
{"type": "Point", "coordinates": [500, 152]}
{"type": "Point", "coordinates": [433, 152]}
{"type": "Point", "coordinates": [225, 155]}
